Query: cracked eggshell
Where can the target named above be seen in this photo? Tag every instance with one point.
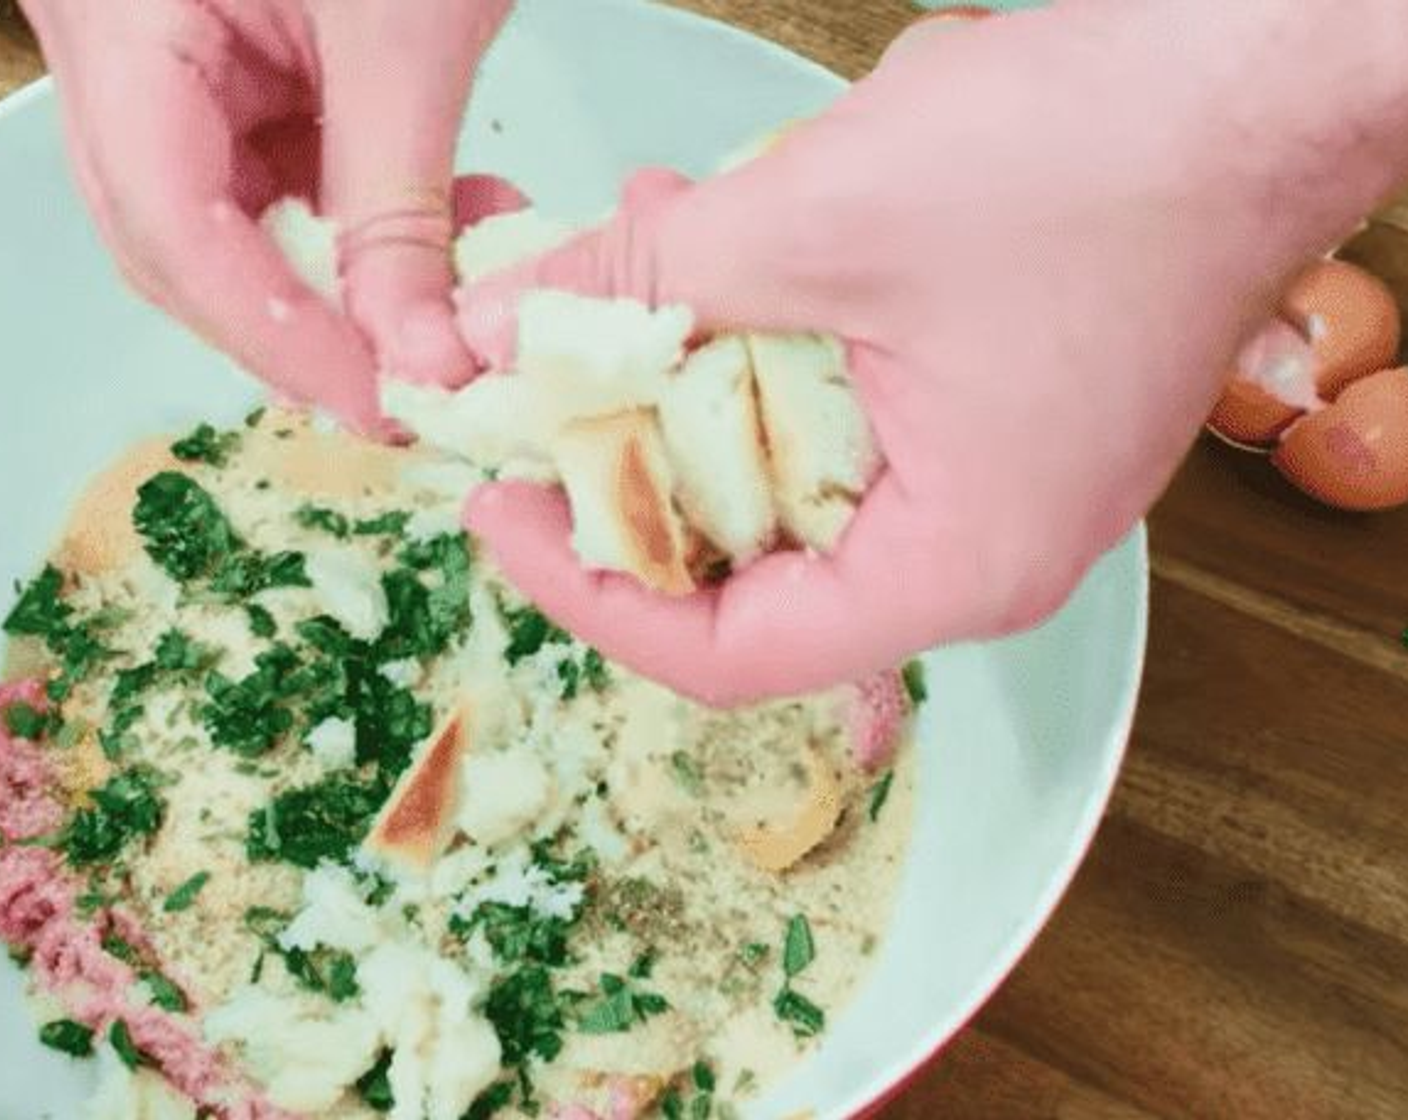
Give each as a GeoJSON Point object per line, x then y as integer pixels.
{"type": "Point", "coordinates": [1338, 323]}
{"type": "Point", "coordinates": [1354, 454]}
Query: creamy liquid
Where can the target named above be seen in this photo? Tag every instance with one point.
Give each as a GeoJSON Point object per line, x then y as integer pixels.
{"type": "Point", "coordinates": [660, 789]}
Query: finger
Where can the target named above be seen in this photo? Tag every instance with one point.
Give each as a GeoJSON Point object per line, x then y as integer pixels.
{"type": "Point", "coordinates": [756, 248]}
{"type": "Point", "coordinates": [791, 623]}
{"type": "Point", "coordinates": [396, 79]}
{"type": "Point", "coordinates": [208, 262]}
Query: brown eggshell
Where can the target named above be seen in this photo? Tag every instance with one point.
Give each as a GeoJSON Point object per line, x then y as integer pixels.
{"type": "Point", "coordinates": [1354, 454]}
{"type": "Point", "coordinates": [1248, 413]}
{"type": "Point", "coordinates": [1351, 320]}
{"type": "Point", "coordinates": [1382, 248]}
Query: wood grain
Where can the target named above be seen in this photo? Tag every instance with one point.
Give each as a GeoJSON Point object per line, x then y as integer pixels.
{"type": "Point", "coordinates": [1237, 944]}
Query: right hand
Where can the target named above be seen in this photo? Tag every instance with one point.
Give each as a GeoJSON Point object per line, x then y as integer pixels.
{"type": "Point", "coordinates": [1041, 249]}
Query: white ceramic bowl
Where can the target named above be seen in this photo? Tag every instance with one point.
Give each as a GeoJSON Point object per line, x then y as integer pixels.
{"type": "Point", "coordinates": [1023, 741]}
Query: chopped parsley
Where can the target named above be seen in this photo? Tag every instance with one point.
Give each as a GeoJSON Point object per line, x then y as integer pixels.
{"type": "Point", "coordinates": [699, 1092]}
{"type": "Point", "coordinates": [915, 684]}
{"type": "Point", "coordinates": [517, 933]}
{"type": "Point", "coordinates": [426, 618]}
{"type": "Point", "coordinates": [805, 1018]}
{"type": "Point", "coordinates": [390, 524]}
{"type": "Point", "coordinates": [261, 621]}
{"type": "Point", "coordinates": [188, 537]}
{"type": "Point", "coordinates": [126, 808]}
{"type": "Point", "coordinates": [121, 1039]}
{"type": "Point", "coordinates": [527, 1014]}
{"type": "Point", "coordinates": [374, 1086]}
{"type": "Point", "coordinates": [165, 994]}
{"type": "Point", "coordinates": [26, 722]}
{"type": "Point", "coordinates": [619, 1007]}
{"type": "Point", "coordinates": [245, 573]}
{"type": "Point", "coordinates": [491, 1101]}
{"type": "Point", "coordinates": [643, 966]}
{"type": "Point", "coordinates": [880, 793]}
{"type": "Point", "coordinates": [799, 949]}
{"type": "Point", "coordinates": [184, 896]}
{"type": "Point", "coordinates": [42, 613]}
{"type": "Point", "coordinates": [185, 532]}
{"type": "Point", "coordinates": [591, 669]}
{"type": "Point", "coordinates": [529, 630]}
{"type": "Point", "coordinates": [176, 658]}
{"type": "Point", "coordinates": [326, 820]}
{"type": "Point", "coordinates": [249, 716]}
{"type": "Point", "coordinates": [324, 519]}
{"type": "Point", "coordinates": [329, 972]}
{"type": "Point", "coordinates": [206, 445]}
{"type": "Point", "coordinates": [687, 773]}
{"type": "Point", "coordinates": [67, 1037]}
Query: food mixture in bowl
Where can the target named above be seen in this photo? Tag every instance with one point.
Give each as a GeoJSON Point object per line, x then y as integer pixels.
{"type": "Point", "coordinates": [306, 813]}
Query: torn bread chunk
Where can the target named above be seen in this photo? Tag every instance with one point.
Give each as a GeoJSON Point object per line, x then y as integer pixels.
{"type": "Point", "coordinates": [578, 359]}
{"type": "Point", "coordinates": [417, 824]}
{"type": "Point", "coordinates": [821, 449]}
{"type": "Point", "coordinates": [620, 486]}
{"type": "Point", "coordinates": [709, 418]}
{"type": "Point", "coordinates": [780, 845]}
{"type": "Point", "coordinates": [308, 242]}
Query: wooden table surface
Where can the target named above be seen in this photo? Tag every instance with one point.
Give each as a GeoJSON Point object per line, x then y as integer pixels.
{"type": "Point", "coordinates": [1236, 945]}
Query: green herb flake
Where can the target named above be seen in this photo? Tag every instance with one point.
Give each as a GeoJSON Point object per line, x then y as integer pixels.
{"type": "Point", "coordinates": [799, 949]}
{"type": "Point", "coordinates": [527, 1014]}
{"type": "Point", "coordinates": [529, 630]}
{"type": "Point", "coordinates": [323, 519]}
{"type": "Point", "coordinates": [879, 794]}
{"type": "Point", "coordinates": [184, 531]}
{"type": "Point", "coordinates": [165, 994]}
{"type": "Point", "coordinates": [374, 1086]}
{"type": "Point", "coordinates": [915, 684]}
{"type": "Point", "coordinates": [687, 773]}
{"type": "Point", "coordinates": [619, 1008]}
{"type": "Point", "coordinates": [390, 524]}
{"type": "Point", "coordinates": [206, 445]}
{"type": "Point", "coordinates": [261, 621]}
{"type": "Point", "coordinates": [643, 966]}
{"type": "Point", "coordinates": [323, 821]}
{"type": "Point", "coordinates": [703, 1077]}
{"type": "Point", "coordinates": [121, 1039]}
{"type": "Point", "coordinates": [184, 896]}
{"type": "Point", "coordinates": [67, 1037]}
{"type": "Point", "coordinates": [805, 1018]}
{"type": "Point", "coordinates": [492, 1101]}
{"type": "Point", "coordinates": [26, 722]}
{"type": "Point", "coordinates": [124, 809]}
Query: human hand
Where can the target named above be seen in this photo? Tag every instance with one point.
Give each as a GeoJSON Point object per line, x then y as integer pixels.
{"type": "Point", "coordinates": [1042, 238]}
{"type": "Point", "coordinates": [186, 118]}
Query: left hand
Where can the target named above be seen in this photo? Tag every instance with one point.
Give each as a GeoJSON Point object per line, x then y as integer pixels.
{"type": "Point", "coordinates": [186, 118]}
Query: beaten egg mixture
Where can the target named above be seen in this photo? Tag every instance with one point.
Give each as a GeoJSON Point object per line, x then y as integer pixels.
{"type": "Point", "coordinates": [369, 835]}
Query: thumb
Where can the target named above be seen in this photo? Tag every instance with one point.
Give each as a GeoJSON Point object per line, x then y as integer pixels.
{"type": "Point", "coordinates": [395, 81]}
{"type": "Point", "coordinates": [742, 251]}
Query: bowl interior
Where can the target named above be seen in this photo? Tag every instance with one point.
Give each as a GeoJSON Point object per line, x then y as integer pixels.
{"type": "Point", "coordinates": [1022, 742]}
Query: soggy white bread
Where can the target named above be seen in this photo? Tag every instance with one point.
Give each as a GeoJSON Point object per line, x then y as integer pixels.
{"type": "Point", "coordinates": [417, 824]}
{"type": "Point", "coordinates": [308, 242]}
{"type": "Point", "coordinates": [502, 240]}
{"type": "Point", "coordinates": [709, 418]}
{"type": "Point", "coordinates": [620, 486]}
{"type": "Point", "coordinates": [821, 450]}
